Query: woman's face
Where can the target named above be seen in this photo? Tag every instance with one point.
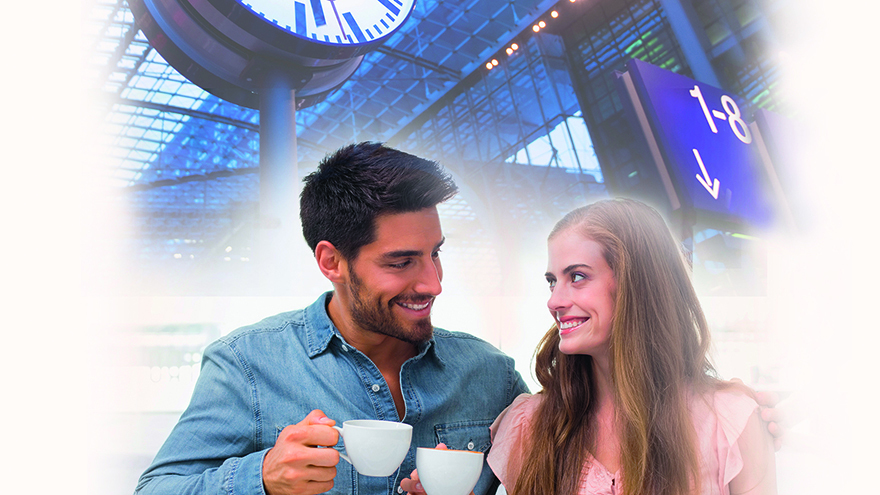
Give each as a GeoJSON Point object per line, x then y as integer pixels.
{"type": "Point", "coordinates": [582, 290]}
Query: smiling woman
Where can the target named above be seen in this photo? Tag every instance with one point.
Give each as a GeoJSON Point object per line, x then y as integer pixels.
{"type": "Point", "coordinates": [625, 373]}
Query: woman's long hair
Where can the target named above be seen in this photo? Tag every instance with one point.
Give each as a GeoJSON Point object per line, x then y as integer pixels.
{"type": "Point", "coordinates": [659, 342]}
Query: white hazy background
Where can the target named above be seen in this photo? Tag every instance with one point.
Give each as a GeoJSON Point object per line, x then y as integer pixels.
{"type": "Point", "coordinates": [57, 435]}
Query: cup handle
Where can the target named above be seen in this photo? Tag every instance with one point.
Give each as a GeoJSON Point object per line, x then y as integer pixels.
{"type": "Point", "coordinates": [343, 443]}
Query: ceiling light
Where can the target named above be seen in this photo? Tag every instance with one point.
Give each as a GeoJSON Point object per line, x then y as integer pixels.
{"type": "Point", "coordinates": [542, 24]}
{"type": "Point", "coordinates": [489, 65]}
{"type": "Point", "coordinates": [554, 14]}
{"type": "Point", "coordinates": [494, 62]}
{"type": "Point", "coordinates": [509, 51]}
{"type": "Point", "coordinates": [536, 28]}
{"type": "Point", "coordinates": [514, 46]}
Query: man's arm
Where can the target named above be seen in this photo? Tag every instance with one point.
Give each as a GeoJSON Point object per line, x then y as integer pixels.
{"type": "Point", "coordinates": [212, 448]}
{"type": "Point", "coordinates": [215, 447]}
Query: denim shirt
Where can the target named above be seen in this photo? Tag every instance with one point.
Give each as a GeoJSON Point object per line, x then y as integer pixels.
{"type": "Point", "coordinates": [261, 378]}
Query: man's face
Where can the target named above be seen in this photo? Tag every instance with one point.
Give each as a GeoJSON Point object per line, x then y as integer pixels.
{"type": "Point", "coordinates": [394, 279]}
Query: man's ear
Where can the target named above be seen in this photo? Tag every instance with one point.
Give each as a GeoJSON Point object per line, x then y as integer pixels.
{"type": "Point", "coordinates": [331, 262]}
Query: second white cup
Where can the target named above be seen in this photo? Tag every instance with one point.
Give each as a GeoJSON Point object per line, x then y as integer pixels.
{"type": "Point", "coordinates": [375, 447]}
{"type": "Point", "coordinates": [448, 472]}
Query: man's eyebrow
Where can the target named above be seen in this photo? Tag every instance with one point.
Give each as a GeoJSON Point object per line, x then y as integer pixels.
{"type": "Point", "coordinates": [410, 253]}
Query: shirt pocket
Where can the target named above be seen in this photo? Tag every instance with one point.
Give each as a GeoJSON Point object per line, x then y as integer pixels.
{"type": "Point", "coordinates": [467, 435]}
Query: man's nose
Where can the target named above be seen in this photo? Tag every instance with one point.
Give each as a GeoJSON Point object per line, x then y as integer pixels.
{"type": "Point", "coordinates": [430, 277]}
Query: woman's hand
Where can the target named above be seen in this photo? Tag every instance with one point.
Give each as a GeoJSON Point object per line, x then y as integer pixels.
{"type": "Point", "coordinates": [411, 484]}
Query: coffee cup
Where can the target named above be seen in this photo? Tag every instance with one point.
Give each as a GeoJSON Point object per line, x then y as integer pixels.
{"type": "Point", "coordinates": [448, 472]}
{"type": "Point", "coordinates": [375, 447]}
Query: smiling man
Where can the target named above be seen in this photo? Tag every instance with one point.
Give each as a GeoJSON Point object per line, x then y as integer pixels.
{"type": "Point", "coordinates": [260, 416]}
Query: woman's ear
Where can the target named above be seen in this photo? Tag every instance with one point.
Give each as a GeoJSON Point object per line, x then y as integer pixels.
{"type": "Point", "coordinates": [330, 262]}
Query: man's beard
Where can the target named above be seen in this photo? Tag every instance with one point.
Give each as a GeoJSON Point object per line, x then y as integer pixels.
{"type": "Point", "coordinates": [380, 318]}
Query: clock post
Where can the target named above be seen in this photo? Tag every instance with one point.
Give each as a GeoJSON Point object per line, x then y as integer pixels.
{"type": "Point", "coordinates": [279, 184]}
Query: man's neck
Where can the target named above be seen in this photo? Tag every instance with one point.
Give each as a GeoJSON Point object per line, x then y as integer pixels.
{"type": "Point", "coordinates": [386, 352]}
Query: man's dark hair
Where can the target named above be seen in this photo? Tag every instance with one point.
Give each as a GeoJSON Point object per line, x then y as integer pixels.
{"type": "Point", "coordinates": [352, 186]}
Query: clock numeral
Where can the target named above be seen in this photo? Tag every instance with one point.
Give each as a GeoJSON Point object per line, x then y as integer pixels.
{"type": "Point", "coordinates": [390, 6]}
{"type": "Point", "coordinates": [299, 13]}
{"type": "Point", "coordinates": [355, 29]}
{"type": "Point", "coordinates": [318, 13]}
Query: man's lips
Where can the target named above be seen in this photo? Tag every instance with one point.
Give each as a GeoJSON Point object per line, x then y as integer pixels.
{"type": "Point", "coordinates": [417, 306]}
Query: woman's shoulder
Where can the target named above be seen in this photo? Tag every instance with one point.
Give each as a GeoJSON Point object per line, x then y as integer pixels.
{"type": "Point", "coordinates": [517, 415]}
{"type": "Point", "coordinates": [726, 405]}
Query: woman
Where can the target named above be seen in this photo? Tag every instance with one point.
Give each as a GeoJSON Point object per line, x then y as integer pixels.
{"type": "Point", "coordinates": [629, 402]}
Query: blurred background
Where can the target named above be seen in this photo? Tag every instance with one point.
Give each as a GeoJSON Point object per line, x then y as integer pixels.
{"type": "Point", "coordinates": [133, 205]}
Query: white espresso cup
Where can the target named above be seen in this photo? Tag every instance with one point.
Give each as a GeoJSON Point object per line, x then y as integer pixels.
{"type": "Point", "coordinates": [375, 447]}
{"type": "Point", "coordinates": [448, 472]}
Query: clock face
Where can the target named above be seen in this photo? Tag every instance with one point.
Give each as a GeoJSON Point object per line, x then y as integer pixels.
{"type": "Point", "coordinates": [334, 22]}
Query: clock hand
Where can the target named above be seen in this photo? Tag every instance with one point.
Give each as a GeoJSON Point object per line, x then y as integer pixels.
{"type": "Point", "coordinates": [338, 20]}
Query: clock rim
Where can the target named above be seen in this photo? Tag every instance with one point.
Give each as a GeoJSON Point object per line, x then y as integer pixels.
{"type": "Point", "coordinates": [252, 33]}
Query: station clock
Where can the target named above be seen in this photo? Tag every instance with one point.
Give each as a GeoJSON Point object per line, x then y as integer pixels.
{"type": "Point", "coordinates": [229, 46]}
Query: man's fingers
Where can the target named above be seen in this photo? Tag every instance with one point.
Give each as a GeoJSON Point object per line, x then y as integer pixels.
{"type": "Point", "coordinates": [767, 398]}
{"type": "Point", "coordinates": [317, 417]}
{"type": "Point", "coordinates": [310, 435]}
{"type": "Point", "coordinates": [772, 415]}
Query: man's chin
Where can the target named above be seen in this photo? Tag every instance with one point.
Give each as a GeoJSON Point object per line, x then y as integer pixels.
{"type": "Point", "coordinates": [421, 332]}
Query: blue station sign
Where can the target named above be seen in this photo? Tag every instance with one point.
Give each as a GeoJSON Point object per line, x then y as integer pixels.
{"type": "Point", "coordinates": [707, 147]}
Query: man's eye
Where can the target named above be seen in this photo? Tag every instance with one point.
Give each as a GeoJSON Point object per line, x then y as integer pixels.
{"type": "Point", "coordinates": [400, 265]}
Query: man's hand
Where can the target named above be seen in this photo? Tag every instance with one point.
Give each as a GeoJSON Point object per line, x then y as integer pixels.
{"type": "Point", "coordinates": [295, 465]}
{"type": "Point", "coordinates": [772, 415]}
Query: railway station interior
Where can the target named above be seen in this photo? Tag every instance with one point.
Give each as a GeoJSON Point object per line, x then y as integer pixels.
{"type": "Point", "coordinates": [535, 108]}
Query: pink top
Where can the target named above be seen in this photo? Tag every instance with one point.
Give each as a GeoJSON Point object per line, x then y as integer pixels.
{"type": "Point", "coordinates": [719, 420]}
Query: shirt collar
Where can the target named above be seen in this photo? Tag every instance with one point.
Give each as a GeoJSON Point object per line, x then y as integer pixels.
{"type": "Point", "coordinates": [319, 328]}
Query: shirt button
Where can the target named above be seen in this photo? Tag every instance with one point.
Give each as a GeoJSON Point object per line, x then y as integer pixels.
{"type": "Point", "coordinates": [345, 348]}
{"type": "Point", "coordinates": [470, 445]}
{"type": "Point", "coordinates": [399, 490]}
{"type": "Point", "coordinates": [375, 387]}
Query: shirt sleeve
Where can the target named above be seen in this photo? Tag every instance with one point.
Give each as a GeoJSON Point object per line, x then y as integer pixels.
{"type": "Point", "coordinates": [508, 432]}
{"type": "Point", "coordinates": [212, 448]}
{"type": "Point", "coordinates": [734, 410]}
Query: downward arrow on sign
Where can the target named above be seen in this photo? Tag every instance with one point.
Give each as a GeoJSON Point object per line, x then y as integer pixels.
{"type": "Point", "coordinates": [704, 179]}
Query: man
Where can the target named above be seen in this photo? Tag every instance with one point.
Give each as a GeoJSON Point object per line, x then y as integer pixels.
{"type": "Point", "coordinates": [366, 350]}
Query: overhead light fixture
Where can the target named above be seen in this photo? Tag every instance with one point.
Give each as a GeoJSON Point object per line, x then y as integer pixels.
{"type": "Point", "coordinates": [494, 62]}
{"type": "Point", "coordinates": [509, 51]}
{"type": "Point", "coordinates": [536, 28]}
{"type": "Point", "coordinates": [554, 14]}
{"type": "Point", "coordinates": [515, 46]}
{"type": "Point", "coordinates": [489, 65]}
{"type": "Point", "coordinates": [542, 24]}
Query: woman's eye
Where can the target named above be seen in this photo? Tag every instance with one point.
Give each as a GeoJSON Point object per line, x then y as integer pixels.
{"type": "Point", "coordinates": [577, 277]}
{"type": "Point", "coordinates": [551, 283]}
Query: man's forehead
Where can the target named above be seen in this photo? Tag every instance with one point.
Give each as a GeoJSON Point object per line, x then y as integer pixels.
{"type": "Point", "coordinates": [418, 231]}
